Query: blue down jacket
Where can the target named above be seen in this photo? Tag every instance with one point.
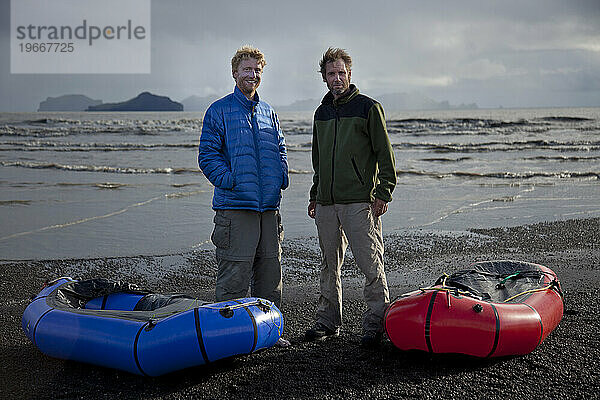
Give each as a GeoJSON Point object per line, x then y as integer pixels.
{"type": "Point", "coordinates": [242, 153]}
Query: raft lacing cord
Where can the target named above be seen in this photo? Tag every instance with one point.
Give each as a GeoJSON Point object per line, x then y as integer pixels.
{"type": "Point", "coordinates": [265, 305]}
{"type": "Point", "coordinates": [448, 289]}
{"type": "Point", "coordinates": [195, 304]}
{"type": "Point", "coordinates": [554, 284]}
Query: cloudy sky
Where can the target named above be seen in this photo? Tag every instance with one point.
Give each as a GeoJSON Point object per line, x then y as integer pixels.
{"type": "Point", "coordinates": [533, 53]}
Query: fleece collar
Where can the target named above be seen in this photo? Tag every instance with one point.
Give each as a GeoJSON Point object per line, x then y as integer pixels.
{"type": "Point", "coordinates": [351, 93]}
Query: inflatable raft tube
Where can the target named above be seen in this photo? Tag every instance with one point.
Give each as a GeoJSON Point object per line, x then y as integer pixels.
{"type": "Point", "coordinates": [493, 309]}
{"type": "Point", "coordinates": [117, 325]}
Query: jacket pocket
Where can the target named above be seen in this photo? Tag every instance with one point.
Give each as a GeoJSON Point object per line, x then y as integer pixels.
{"type": "Point", "coordinates": [357, 172]}
{"type": "Point", "coordinates": [221, 233]}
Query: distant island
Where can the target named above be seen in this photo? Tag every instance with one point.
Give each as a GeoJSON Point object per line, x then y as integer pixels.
{"type": "Point", "coordinates": [301, 105]}
{"type": "Point", "coordinates": [197, 103]}
{"type": "Point", "coordinates": [418, 101]}
{"type": "Point", "coordinates": [68, 102]}
{"type": "Point", "coordinates": [145, 101]}
{"type": "Point", "coordinates": [390, 102]}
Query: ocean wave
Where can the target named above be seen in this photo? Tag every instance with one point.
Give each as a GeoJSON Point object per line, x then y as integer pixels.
{"type": "Point", "coordinates": [463, 126]}
{"type": "Point", "coordinates": [179, 195]}
{"type": "Point", "coordinates": [109, 185]}
{"type": "Point", "coordinates": [296, 127]}
{"type": "Point", "coordinates": [303, 147]}
{"type": "Point", "coordinates": [181, 185]}
{"type": "Point", "coordinates": [446, 160]}
{"type": "Point", "coordinates": [502, 175]}
{"type": "Point", "coordinates": [494, 146]}
{"type": "Point", "coordinates": [113, 170]}
{"type": "Point", "coordinates": [15, 202]}
{"type": "Point", "coordinates": [506, 199]}
{"type": "Point", "coordinates": [99, 185]}
{"type": "Point", "coordinates": [566, 119]}
{"type": "Point", "coordinates": [98, 168]}
{"type": "Point", "coordinates": [486, 122]}
{"type": "Point", "coordinates": [82, 147]}
{"type": "Point", "coordinates": [28, 132]}
{"type": "Point", "coordinates": [482, 126]}
{"type": "Point", "coordinates": [477, 122]}
{"type": "Point", "coordinates": [563, 158]}
{"type": "Point", "coordinates": [57, 127]}
{"type": "Point", "coordinates": [61, 132]}
{"type": "Point", "coordinates": [38, 121]}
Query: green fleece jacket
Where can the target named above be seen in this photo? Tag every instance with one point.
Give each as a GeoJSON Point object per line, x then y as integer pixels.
{"type": "Point", "coordinates": [352, 157]}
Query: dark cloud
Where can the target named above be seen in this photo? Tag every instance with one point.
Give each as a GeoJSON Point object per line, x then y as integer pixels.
{"type": "Point", "coordinates": [462, 51]}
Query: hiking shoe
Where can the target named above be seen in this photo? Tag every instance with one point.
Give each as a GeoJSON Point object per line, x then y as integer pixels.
{"type": "Point", "coordinates": [319, 332]}
{"type": "Point", "coordinates": [371, 340]}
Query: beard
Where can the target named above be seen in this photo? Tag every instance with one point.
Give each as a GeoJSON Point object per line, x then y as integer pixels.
{"type": "Point", "coordinates": [338, 90]}
{"type": "Point", "coordinates": [246, 87]}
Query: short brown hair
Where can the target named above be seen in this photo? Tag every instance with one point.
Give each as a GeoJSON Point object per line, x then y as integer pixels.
{"type": "Point", "coordinates": [247, 51]}
{"type": "Point", "coordinates": [332, 54]}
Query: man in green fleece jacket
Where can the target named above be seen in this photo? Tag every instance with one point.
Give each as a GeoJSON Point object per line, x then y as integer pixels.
{"type": "Point", "coordinates": [354, 176]}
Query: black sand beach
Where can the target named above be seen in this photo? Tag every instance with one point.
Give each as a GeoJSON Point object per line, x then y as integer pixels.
{"type": "Point", "coordinates": [564, 366]}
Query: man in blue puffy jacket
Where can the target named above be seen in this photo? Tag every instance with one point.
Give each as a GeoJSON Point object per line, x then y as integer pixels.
{"type": "Point", "coordinates": [242, 153]}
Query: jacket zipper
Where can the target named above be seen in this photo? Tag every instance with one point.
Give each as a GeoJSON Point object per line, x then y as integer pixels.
{"type": "Point", "coordinates": [256, 152]}
{"type": "Point", "coordinates": [337, 118]}
{"type": "Point", "coordinates": [357, 171]}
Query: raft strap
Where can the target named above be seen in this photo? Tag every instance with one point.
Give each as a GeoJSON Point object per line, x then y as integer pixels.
{"type": "Point", "coordinates": [497, 334]}
{"type": "Point", "coordinates": [253, 325]}
{"type": "Point", "coordinates": [135, 349]}
{"type": "Point", "coordinates": [199, 335]}
{"type": "Point", "coordinates": [428, 322]}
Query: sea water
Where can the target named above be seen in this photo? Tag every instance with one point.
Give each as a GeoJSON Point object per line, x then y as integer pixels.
{"type": "Point", "coordinates": [120, 184]}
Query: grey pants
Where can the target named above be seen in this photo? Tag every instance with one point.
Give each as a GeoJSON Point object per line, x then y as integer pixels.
{"type": "Point", "coordinates": [248, 254]}
{"type": "Point", "coordinates": [339, 225]}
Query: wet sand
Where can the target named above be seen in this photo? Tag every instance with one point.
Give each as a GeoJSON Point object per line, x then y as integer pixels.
{"type": "Point", "coordinates": [566, 365]}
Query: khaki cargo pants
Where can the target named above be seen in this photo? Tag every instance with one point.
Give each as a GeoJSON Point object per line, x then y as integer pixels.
{"type": "Point", "coordinates": [248, 254]}
{"type": "Point", "coordinates": [339, 225]}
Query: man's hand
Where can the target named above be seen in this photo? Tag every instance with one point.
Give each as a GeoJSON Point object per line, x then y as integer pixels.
{"type": "Point", "coordinates": [379, 207]}
{"type": "Point", "coordinates": [311, 209]}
